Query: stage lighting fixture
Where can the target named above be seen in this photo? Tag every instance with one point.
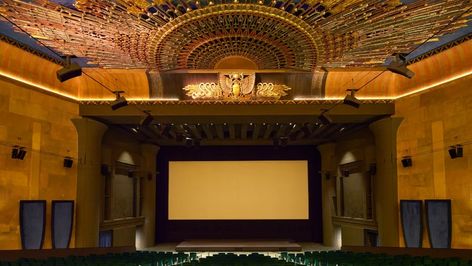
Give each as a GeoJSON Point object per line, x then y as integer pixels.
{"type": "Point", "coordinates": [119, 102]}
{"type": "Point", "coordinates": [351, 99]}
{"type": "Point", "coordinates": [68, 162]}
{"type": "Point", "coordinates": [283, 141]}
{"type": "Point", "coordinates": [70, 70]}
{"type": "Point", "coordinates": [398, 66]}
{"type": "Point", "coordinates": [325, 119]}
{"type": "Point", "coordinates": [407, 161]}
{"type": "Point", "coordinates": [188, 142]}
{"type": "Point", "coordinates": [147, 120]}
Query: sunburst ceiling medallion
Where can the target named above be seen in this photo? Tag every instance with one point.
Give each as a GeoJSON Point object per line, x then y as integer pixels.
{"type": "Point", "coordinates": [198, 34]}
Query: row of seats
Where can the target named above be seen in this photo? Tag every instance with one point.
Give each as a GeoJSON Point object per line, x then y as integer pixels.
{"type": "Point", "coordinates": [229, 259]}
{"type": "Point", "coordinates": [343, 258]}
{"type": "Point", "coordinates": [324, 258]}
{"type": "Point", "coordinates": [139, 258]}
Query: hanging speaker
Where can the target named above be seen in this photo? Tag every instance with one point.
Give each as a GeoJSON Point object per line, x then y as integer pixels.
{"type": "Point", "coordinates": [32, 223]}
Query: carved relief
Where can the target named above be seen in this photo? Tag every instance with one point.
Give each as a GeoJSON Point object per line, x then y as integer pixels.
{"type": "Point", "coordinates": [236, 86]}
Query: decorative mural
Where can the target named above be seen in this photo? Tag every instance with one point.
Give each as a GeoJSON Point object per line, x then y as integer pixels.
{"type": "Point", "coordinates": [236, 86]}
{"type": "Point", "coordinates": [196, 34]}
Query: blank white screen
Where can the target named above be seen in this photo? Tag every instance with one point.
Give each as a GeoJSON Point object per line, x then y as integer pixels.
{"type": "Point", "coordinates": [236, 190]}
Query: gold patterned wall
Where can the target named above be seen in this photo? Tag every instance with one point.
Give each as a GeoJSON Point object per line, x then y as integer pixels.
{"type": "Point", "coordinates": [432, 122]}
{"type": "Point", "coordinates": [189, 34]}
{"type": "Point", "coordinates": [40, 123]}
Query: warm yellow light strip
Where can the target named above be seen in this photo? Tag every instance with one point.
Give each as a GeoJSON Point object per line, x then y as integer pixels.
{"type": "Point", "coordinates": [72, 97]}
{"type": "Point", "coordinates": [38, 86]}
{"type": "Point", "coordinates": [435, 84]}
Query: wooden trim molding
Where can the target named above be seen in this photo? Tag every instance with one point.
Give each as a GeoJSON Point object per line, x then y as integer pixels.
{"type": "Point", "coordinates": [122, 223]}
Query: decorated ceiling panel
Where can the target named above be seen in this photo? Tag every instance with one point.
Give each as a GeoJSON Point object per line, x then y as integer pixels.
{"type": "Point", "coordinates": [196, 34]}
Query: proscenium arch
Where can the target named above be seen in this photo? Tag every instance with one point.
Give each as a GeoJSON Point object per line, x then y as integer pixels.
{"type": "Point", "coordinates": [171, 34]}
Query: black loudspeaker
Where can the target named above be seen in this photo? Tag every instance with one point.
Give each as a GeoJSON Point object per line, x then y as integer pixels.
{"type": "Point", "coordinates": [68, 162]}
{"type": "Point", "coordinates": [32, 223]}
{"type": "Point", "coordinates": [439, 222]}
{"type": "Point", "coordinates": [407, 161]}
{"type": "Point", "coordinates": [61, 223]}
{"type": "Point", "coordinates": [411, 212]}
{"type": "Point", "coordinates": [71, 70]}
{"type": "Point", "coordinates": [452, 152]}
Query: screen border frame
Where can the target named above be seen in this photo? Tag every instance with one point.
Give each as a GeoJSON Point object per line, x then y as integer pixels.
{"type": "Point", "coordinates": [298, 230]}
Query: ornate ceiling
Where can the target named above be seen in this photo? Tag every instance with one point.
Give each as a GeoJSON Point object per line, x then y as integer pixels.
{"type": "Point", "coordinates": [197, 34]}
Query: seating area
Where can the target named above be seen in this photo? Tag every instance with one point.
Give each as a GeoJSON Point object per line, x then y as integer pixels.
{"type": "Point", "coordinates": [331, 258]}
{"type": "Point", "coordinates": [323, 258]}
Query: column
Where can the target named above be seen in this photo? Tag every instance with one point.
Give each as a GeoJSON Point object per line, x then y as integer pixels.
{"type": "Point", "coordinates": [385, 182]}
{"type": "Point", "coordinates": [89, 181]}
{"type": "Point", "coordinates": [146, 234]}
{"type": "Point", "coordinates": [328, 186]}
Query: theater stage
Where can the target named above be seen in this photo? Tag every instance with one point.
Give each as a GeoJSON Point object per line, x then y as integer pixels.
{"type": "Point", "coordinates": [239, 245]}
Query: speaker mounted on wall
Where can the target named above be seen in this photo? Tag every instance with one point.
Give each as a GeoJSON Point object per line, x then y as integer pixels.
{"type": "Point", "coordinates": [32, 223]}
{"type": "Point", "coordinates": [62, 221]}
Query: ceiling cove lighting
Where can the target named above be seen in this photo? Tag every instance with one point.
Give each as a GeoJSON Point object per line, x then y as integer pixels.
{"type": "Point", "coordinates": [38, 86]}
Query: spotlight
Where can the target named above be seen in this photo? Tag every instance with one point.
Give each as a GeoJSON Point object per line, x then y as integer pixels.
{"type": "Point", "coordinates": [68, 162]}
{"type": "Point", "coordinates": [407, 161]}
{"type": "Point", "coordinates": [188, 142]}
{"type": "Point", "coordinates": [325, 119]}
{"type": "Point", "coordinates": [147, 120]}
{"type": "Point", "coordinates": [119, 102]}
{"type": "Point", "coordinates": [398, 66]}
{"type": "Point", "coordinates": [70, 70]}
{"type": "Point", "coordinates": [351, 99]}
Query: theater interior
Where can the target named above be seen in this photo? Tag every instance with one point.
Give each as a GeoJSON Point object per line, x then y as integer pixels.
{"type": "Point", "coordinates": [235, 132]}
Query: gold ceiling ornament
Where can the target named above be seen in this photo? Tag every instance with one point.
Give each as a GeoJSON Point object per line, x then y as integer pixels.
{"type": "Point", "coordinates": [236, 86]}
{"type": "Point", "coordinates": [204, 91]}
{"type": "Point", "coordinates": [271, 91]}
{"type": "Point", "coordinates": [186, 34]}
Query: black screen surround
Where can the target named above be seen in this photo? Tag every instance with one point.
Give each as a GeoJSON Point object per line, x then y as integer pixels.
{"type": "Point", "coordinates": [298, 230]}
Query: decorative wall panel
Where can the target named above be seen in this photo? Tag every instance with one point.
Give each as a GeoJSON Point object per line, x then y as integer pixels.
{"type": "Point", "coordinates": [32, 223]}
{"type": "Point", "coordinates": [62, 221]}
{"type": "Point", "coordinates": [439, 219]}
{"type": "Point", "coordinates": [411, 212]}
